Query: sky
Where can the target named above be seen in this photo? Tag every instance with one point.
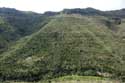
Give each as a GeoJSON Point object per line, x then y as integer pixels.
{"type": "Point", "coordinates": [41, 6]}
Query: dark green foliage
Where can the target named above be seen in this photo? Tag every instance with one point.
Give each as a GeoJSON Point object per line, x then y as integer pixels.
{"type": "Point", "coordinates": [90, 73]}
{"type": "Point", "coordinates": [15, 24]}
{"type": "Point", "coordinates": [117, 20]}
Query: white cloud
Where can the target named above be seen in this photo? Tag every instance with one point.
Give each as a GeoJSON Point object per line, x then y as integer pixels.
{"type": "Point", "coordinates": [57, 5]}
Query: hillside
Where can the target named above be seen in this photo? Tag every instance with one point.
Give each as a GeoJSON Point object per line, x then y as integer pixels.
{"type": "Point", "coordinates": [67, 45]}
{"type": "Point", "coordinates": [90, 12]}
{"type": "Point", "coordinates": [74, 79]}
{"type": "Point", "coordinates": [6, 31]}
{"type": "Point", "coordinates": [15, 24]}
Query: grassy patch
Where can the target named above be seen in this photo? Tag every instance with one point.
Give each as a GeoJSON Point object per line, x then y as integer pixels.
{"type": "Point", "coordinates": [80, 79]}
{"type": "Point", "coordinates": [74, 79]}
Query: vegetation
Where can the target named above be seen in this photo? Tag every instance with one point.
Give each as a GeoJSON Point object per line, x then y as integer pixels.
{"type": "Point", "coordinates": [74, 79]}
{"type": "Point", "coordinates": [61, 45]}
{"type": "Point", "coordinates": [15, 24]}
{"type": "Point", "coordinates": [82, 79]}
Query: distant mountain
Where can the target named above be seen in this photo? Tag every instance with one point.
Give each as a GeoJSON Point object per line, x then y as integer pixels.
{"type": "Point", "coordinates": [116, 13]}
{"type": "Point", "coordinates": [86, 11]}
{"type": "Point", "coordinates": [90, 11]}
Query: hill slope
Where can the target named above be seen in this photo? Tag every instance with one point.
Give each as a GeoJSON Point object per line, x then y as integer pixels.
{"type": "Point", "coordinates": [15, 24]}
{"type": "Point", "coordinates": [18, 24]}
{"type": "Point", "coordinates": [68, 44]}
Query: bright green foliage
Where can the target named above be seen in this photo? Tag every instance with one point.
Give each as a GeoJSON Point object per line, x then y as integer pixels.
{"type": "Point", "coordinates": [80, 79]}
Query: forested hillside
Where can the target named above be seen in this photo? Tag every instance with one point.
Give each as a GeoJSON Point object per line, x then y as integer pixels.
{"type": "Point", "coordinates": [15, 24]}
{"type": "Point", "coordinates": [54, 44]}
